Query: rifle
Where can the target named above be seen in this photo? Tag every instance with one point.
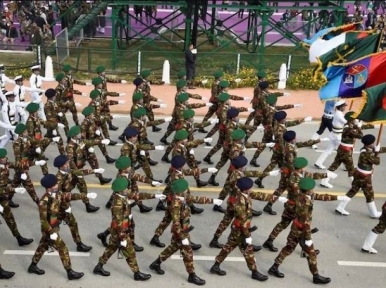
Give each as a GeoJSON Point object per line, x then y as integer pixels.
{"type": "Point", "coordinates": [303, 253]}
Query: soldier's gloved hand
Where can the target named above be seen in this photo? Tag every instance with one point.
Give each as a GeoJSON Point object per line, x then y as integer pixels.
{"type": "Point", "coordinates": [98, 132]}
{"type": "Point", "coordinates": [56, 139]}
{"type": "Point", "coordinates": [298, 105]}
{"type": "Point", "coordinates": [142, 153]}
{"type": "Point", "coordinates": [308, 243]}
{"type": "Point", "coordinates": [84, 94]}
{"type": "Point", "coordinates": [20, 190]}
{"type": "Point", "coordinates": [60, 114]}
{"type": "Point", "coordinates": [123, 81]}
{"type": "Point", "coordinates": [247, 99]}
{"type": "Point", "coordinates": [344, 198]}
{"type": "Point", "coordinates": [122, 94]}
{"type": "Point", "coordinates": [377, 148]}
{"type": "Point", "coordinates": [282, 199]}
{"type": "Point", "coordinates": [54, 236]}
{"type": "Point", "coordinates": [1, 209]}
{"type": "Point", "coordinates": [131, 216]}
{"type": "Point", "coordinates": [40, 162]}
{"type": "Point", "coordinates": [204, 99]}
{"type": "Point", "coordinates": [168, 119]}
{"type": "Point", "coordinates": [99, 170]}
{"type": "Point", "coordinates": [286, 94]}
{"type": "Point", "coordinates": [274, 173]}
{"type": "Point", "coordinates": [91, 149]}
{"type": "Point", "coordinates": [359, 123]}
{"type": "Point", "coordinates": [217, 202]}
{"type": "Point", "coordinates": [123, 243]}
{"type": "Point", "coordinates": [270, 145]}
{"type": "Point", "coordinates": [91, 195]}
{"type": "Point", "coordinates": [260, 128]}
{"type": "Point", "coordinates": [163, 105]}
{"type": "Point", "coordinates": [121, 102]}
{"type": "Point", "coordinates": [160, 197]}
{"type": "Point", "coordinates": [212, 170]}
{"type": "Point", "coordinates": [23, 176]}
{"type": "Point", "coordinates": [78, 105]}
{"type": "Point", "coordinates": [248, 240]}
{"type": "Point", "coordinates": [38, 150]}
{"type": "Point", "coordinates": [159, 147]}
{"type": "Point", "coordinates": [208, 104]}
{"type": "Point", "coordinates": [88, 84]}
{"type": "Point", "coordinates": [156, 183]}
{"type": "Point", "coordinates": [185, 242]}
{"type": "Point", "coordinates": [68, 210]}
{"type": "Point", "coordinates": [251, 110]}
{"type": "Point", "coordinates": [308, 119]}
{"type": "Point", "coordinates": [331, 175]}
{"type": "Point", "coordinates": [208, 140]}
{"type": "Point", "coordinates": [325, 139]}
{"type": "Point", "coordinates": [105, 141]}
{"type": "Point", "coordinates": [213, 121]}
{"type": "Point", "coordinates": [131, 201]}
{"type": "Point", "coordinates": [54, 132]}
{"type": "Point", "coordinates": [191, 152]}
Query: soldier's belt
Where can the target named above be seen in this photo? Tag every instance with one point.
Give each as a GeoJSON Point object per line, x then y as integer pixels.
{"type": "Point", "coordinates": [38, 136]}
{"type": "Point", "coordinates": [237, 224]}
{"type": "Point", "coordinates": [346, 148]}
{"type": "Point", "coordinates": [298, 224]}
{"type": "Point", "coordinates": [364, 173]}
{"type": "Point", "coordinates": [232, 199]}
{"type": "Point", "coordinates": [291, 202]}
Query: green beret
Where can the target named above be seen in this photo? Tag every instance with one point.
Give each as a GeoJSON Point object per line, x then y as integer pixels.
{"type": "Point", "coordinates": [179, 186]}
{"type": "Point", "coordinates": [261, 74]}
{"type": "Point", "coordinates": [238, 134]}
{"type": "Point", "coordinates": [96, 81]}
{"type": "Point", "coordinates": [74, 130]}
{"type": "Point", "coordinates": [218, 74]}
{"type": "Point", "coordinates": [139, 112]}
{"type": "Point", "coordinates": [181, 83]}
{"type": "Point", "coordinates": [145, 73]}
{"type": "Point", "coordinates": [349, 115]}
{"type": "Point", "coordinates": [32, 107]}
{"type": "Point", "coordinates": [120, 184]}
{"type": "Point", "coordinates": [59, 77]}
{"type": "Point", "coordinates": [181, 135]}
{"type": "Point", "coordinates": [20, 128]}
{"type": "Point", "coordinates": [271, 99]}
{"type": "Point", "coordinates": [188, 113]}
{"type": "Point", "coordinates": [123, 162]}
{"type": "Point", "coordinates": [224, 84]}
{"type": "Point", "coordinates": [182, 97]}
{"type": "Point", "coordinates": [3, 153]}
{"type": "Point", "coordinates": [66, 68]}
{"type": "Point", "coordinates": [137, 96]}
{"type": "Point", "coordinates": [100, 69]}
{"type": "Point", "coordinates": [223, 97]}
{"type": "Point", "coordinates": [88, 111]}
{"type": "Point", "coordinates": [300, 162]}
{"type": "Point", "coordinates": [181, 73]}
{"type": "Point", "coordinates": [94, 93]}
{"type": "Point", "coordinates": [306, 183]}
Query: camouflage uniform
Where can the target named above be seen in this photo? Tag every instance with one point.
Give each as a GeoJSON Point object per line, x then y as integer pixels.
{"type": "Point", "coordinates": [101, 119]}
{"type": "Point", "coordinates": [105, 106]}
{"type": "Point", "coordinates": [147, 98]}
{"type": "Point", "coordinates": [214, 91]}
{"type": "Point", "coordinates": [65, 100]}
{"type": "Point", "coordinates": [51, 109]}
{"type": "Point", "coordinates": [381, 226]}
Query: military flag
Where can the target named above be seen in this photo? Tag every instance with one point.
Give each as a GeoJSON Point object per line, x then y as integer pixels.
{"type": "Point", "coordinates": [373, 107]}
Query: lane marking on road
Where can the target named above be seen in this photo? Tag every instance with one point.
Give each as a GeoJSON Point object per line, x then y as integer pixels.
{"type": "Point", "coordinates": [362, 264]}
{"type": "Point", "coordinates": [55, 253]}
{"type": "Point", "coordinates": [210, 258]}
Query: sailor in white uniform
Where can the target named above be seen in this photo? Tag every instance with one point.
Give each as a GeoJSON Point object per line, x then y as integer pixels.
{"type": "Point", "coordinates": [3, 80]}
{"type": "Point", "coordinates": [36, 82]}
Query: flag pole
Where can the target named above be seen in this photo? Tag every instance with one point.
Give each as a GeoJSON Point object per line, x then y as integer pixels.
{"type": "Point", "coordinates": [351, 104]}
{"type": "Point", "coordinates": [380, 134]}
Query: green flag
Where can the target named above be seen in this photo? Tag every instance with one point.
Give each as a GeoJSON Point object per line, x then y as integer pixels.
{"type": "Point", "coordinates": [373, 107]}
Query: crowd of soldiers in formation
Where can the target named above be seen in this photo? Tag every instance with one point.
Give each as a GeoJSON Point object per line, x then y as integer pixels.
{"type": "Point", "coordinates": [24, 122]}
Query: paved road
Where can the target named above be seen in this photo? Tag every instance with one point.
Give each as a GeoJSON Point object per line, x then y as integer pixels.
{"type": "Point", "coordinates": [339, 239]}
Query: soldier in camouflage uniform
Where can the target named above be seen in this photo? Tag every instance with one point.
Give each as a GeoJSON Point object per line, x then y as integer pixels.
{"type": "Point", "coordinates": [301, 230]}
{"type": "Point", "coordinates": [289, 214]}
{"type": "Point", "coordinates": [67, 69]}
{"type": "Point", "coordinates": [351, 131]}
{"type": "Point", "coordinates": [240, 235]}
{"type": "Point", "coordinates": [90, 131]}
{"type": "Point", "coordinates": [123, 164]}
{"type": "Point", "coordinates": [373, 235]}
{"type": "Point", "coordinates": [24, 149]}
{"type": "Point", "coordinates": [180, 214]}
{"type": "Point", "coordinates": [176, 171]}
{"type": "Point", "coordinates": [120, 226]}
{"type": "Point", "coordinates": [290, 153]}
{"type": "Point", "coordinates": [368, 157]}
{"type": "Point", "coordinates": [100, 70]}
{"type": "Point", "coordinates": [279, 127]}
{"type": "Point", "coordinates": [97, 102]}
{"type": "Point", "coordinates": [55, 119]}
{"type": "Point", "coordinates": [79, 151]}
{"type": "Point", "coordinates": [49, 211]}
{"type": "Point", "coordinates": [5, 191]}
{"type": "Point", "coordinates": [235, 172]}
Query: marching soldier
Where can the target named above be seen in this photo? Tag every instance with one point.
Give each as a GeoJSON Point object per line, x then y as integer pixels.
{"type": "Point", "coordinates": [120, 226]}
{"type": "Point", "coordinates": [49, 210]}
{"type": "Point", "coordinates": [5, 191]}
{"type": "Point", "coordinates": [78, 151]}
{"type": "Point", "coordinates": [36, 81]}
{"type": "Point", "coordinates": [19, 89]}
{"type": "Point", "coordinates": [180, 213]}
{"type": "Point", "coordinates": [4, 80]}
{"type": "Point", "coordinates": [373, 235]}
{"type": "Point", "coordinates": [67, 69]}
{"type": "Point", "coordinates": [257, 101]}
{"type": "Point", "coordinates": [301, 230]}
{"type": "Point", "coordinates": [90, 131]}
{"type": "Point", "coordinates": [240, 234]}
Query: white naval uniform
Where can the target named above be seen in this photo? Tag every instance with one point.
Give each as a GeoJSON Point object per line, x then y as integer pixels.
{"type": "Point", "coordinates": [12, 114]}
{"type": "Point", "coordinates": [36, 82]}
{"type": "Point", "coordinates": [3, 80]}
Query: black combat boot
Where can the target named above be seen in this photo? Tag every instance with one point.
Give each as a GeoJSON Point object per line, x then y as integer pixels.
{"type": "Point", "coordinates": [195, 246]}
{"type": "Point", "coordinates": [201, 183]}
{"type": "Point", "coordinates": [218, 208]}
{"type": "Point", "coordinates": [23, 241]}
{"type": "Point", "coordinates": [99, 270]}
{"type": "Point", "coordinates": [139, 276]}
{"type": "Point", "coordinates": [103, 237]}
{"type": "Point", "coordinates": [72, 275]}
{"type": "Point", "coordinates": [165, 158]}
{"type": "Point", "coordinates": [195, 210]}
{"type": "Point", "coordinates": [268, 244]}
{"type": "Point", "coordinates": [217, 270]}
{"type": "Point", "coordinates": [274, 271]}
{"type": "Point", "coordinates": [33, 268]}
{"type": "Point", "coordinates": [12, 204]}
{"type": "Point", "coordinates": [268, 209]}
{"type": "Point", "coordinates": [259, 183]}
{"type": "Point", "coordinates": [147, 141]}
{"type": "Point", "coordinates": [90, 208]}
{"type": "Point", "coordinates": [193, 278]}
{"type": "Point", "coordinates": [103, 180]}
{"type": "Point", "coordinates": [6, 274]}
{"type": "Point", "coordinates": [207, 160]}
{"type": "Point", "coordinates": [256, 248]}
{"type": "Point", "coordinates": [155, 242]}
{"type": "Point", "coordinates": [152, 162]}
{"type": "Point", "coordinates": [212, 180]}
{"type": "Point", "coordinates": [137, 248]}
{"type": "Point", "coordinates": [164, 140]}
{"type": "Point", "coordinates": [110, 202]}
{"type": "Point", "coordinates": [156, 129]}
{"type": "Point", "coordinates": [258, 276]}
{"type": "Point", "coordinates": [122, 138]}
{"type": "Point", "coordinates": [144, 208]}
{"type": "Point", "coordinates": [256, 213]}
{"type": "Point", "coordinates": [253, 162]}
{"type": "Point", "coordinates": [317, 279]}
{"type": "Point", "coordinates": [109, 160]}
{"type": "Point", "coordinates": [112, 127]}
{"type": "Point", "coordinates": [80, 247]}
{"type": "Point", "coordinates": [156, 266]}
{"type": "Point", "coordinates": [202, 130]}
{"type": "Point", "coordinates": [167, 179]}
{"type": "Point", "coordinates": [113, 143]}
{"type": "Point", "coordinates": [160, 206]}
{"type": "Point", "coordinates": [215, 244]}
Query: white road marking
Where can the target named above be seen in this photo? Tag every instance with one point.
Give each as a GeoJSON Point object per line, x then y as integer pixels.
{"type": "Point", "coordinates": [55, 253]}
{"type": "Point", "coordinates": [210, 258]}
{"type": "Point", "coordinates": [362, 264]}
{"type": "Point", "coordinates": [321, 151]}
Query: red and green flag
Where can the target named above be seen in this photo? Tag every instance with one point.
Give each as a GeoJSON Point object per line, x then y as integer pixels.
{"type": "Point", "coordinates": [373, 107]}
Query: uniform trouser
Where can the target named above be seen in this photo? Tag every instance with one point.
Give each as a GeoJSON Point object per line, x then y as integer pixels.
{"type": "Point", "coordinates": [191, 161]}
{"type": "Point", "coordinates": [58, 244]}
{"type": "Point", "coordinates": [170, 129]}
{"type": "Point", "coordinates": [325, 123]}
{"type": "Point", "coordinates": [59, 144]}
{"type": "Point", "coordinates": [381, 226]}
{"type": "Point", "coordinates": [218, 146]}
{"type": "Point", "coordinates": [9, 219]}
{"type": "Point", "coordinates": [293, 240]}
{"type": "Point", "coordinates": [9, 135]}
{"type": "Point", "coordinates": [334, 143]}
{"type": "Point", "coordinates": [70, 220]}
{"type": "Point", "coordinates": [235, 239]}
{"type": "Point", "coordinates": [70, 105]}
{"type": "Point", "coordinates": [362, 182]}
{"type": "Point", "coordinates": [27, 184]}
{"type": "Point", "coordinates": [226, 220]}
{"type": "Point", "coordinates": [35, 96]}
{"type": "Point", "coordinates": [344, 157]}
{"type": "Point", "coordinates": [144, 162]}
{"type": "Point", "coordinates": [281, 188]}
{"type": "Point", "coordinates": [211, 111]}
{"type": "Point", "coordinates": [276, 160]}
{"type": "Point", "coordinates": [213, 131]}
{"type": "Point", "coordinates": [267, 137]}
{"type": "Point", "coordinates": [128, 252]}
{"type": "Point", "coordinates": [185, 250]}
{"type": "Point", "coordinates": [257, 119]}
{"type": "Point", "coordinates": [150, 114]}
{"type": "Point", "coordinates": [286, 218]}
{"type": "Point", "coordinates": [223, 159]}
{"type": "Point", "coordinates": [170, 147]}
{"type": "Point", "coordinates": [103, 149]}
{"type": "Point", "coordinates": [103, 124]}
{"type": "Point", "coordinates": [164, 223]}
